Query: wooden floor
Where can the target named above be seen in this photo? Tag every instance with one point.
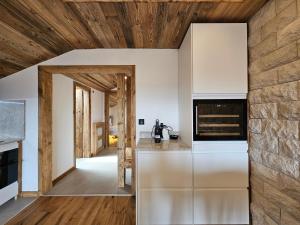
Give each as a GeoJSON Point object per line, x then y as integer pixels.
{"type": "Point", "coordinates": [78, 210]}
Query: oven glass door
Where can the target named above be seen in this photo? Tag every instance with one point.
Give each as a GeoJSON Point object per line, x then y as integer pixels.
{"type": "Point", "coordinates": [220, 119]}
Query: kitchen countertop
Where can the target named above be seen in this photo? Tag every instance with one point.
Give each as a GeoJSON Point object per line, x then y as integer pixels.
{"type": "Point", "coordinates": [148, 144]}
{"type": "Point", "coordinates": [9, 140]}
{"type": "Point", "coordinates": [9, 143]}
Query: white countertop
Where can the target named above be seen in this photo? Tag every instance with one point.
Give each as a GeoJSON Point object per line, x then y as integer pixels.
{"type": "Point", "coordinates": [9, 143]}
{"type": "Point", "coordinates": [148, 144]}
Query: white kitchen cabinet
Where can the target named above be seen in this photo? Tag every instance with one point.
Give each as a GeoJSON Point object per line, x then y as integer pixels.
{"type": "Point", "coordinates": [219, 58]}
{"type": "Point", "coordinates": [221, 206]}
{"type": "Point", "coordinates": [164, 187]}
{"type": "Point", "coordinates": [165, 170]}
{"type": "Point", "coordinates": [220, 170]}
{"type": "Point", "coordinates": [166, 206]}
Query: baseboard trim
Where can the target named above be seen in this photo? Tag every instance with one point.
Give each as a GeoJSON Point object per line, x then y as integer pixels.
{"type": "Point", "coordinates": [29, 194]}
{"type": "Point", "coordinates": [56, 180]}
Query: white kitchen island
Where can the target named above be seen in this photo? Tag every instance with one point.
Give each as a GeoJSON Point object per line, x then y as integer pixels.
{"type": "Point", "coordinates": [176, 185]}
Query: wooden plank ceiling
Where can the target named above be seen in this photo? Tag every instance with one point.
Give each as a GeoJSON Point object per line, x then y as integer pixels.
{"type": "Point", "coordinates": [32, 31]}
{"type": "Point", "coordinates": [100, 82]}
{"type": "Point", "coordinates": [106, 83]}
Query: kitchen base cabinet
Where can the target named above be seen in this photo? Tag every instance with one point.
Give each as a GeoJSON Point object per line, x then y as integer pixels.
{"type": "Point", "coordinates": [164, 183]}
{"type": "Point", "coordinates": [165, 170]}
{"type": "Point", "coordinates": [165, 206]}
{"type": "Point", "coordinates": [220, 170]}
{"type": "Point", "coordinates": [221, 206]}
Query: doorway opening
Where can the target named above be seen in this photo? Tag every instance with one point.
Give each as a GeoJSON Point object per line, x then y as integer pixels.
{"type": "Point", "coordinates": [100, 167]}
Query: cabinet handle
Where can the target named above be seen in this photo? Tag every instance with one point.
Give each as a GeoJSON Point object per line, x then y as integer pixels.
{"type": "Point", "coordinates": [197, 120]}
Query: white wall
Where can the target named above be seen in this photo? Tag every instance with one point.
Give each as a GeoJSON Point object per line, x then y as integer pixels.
{"type": "Point", "coordinates": [156, 91]}
{"type": "Point", "coordinates": [24, 86]}
{"type": "Point", "coordinates": [63, 125]}
{"type": "Point", "coordinates": [156, 79]}
{"type": "Point", "coordinates": [97, 106]}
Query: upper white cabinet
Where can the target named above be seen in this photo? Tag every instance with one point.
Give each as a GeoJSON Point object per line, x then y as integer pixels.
{"type": "Point", "coordinates": [219, 58]}
{"type": "Point", "coordinates": [213, 59]}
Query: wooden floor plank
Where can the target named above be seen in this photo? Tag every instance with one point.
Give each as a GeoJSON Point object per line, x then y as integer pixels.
{"type": "Point", "coordinates": [102, 210]}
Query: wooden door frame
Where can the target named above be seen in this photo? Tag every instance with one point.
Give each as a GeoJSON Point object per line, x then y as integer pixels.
{"type": "Point", "coordinates": [45, 96]}
{"type": "Point", "coordinates": [76, 84]}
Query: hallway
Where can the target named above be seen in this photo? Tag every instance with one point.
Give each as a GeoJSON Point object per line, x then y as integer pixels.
{"type": "Point", "coordinates": [93, 176]}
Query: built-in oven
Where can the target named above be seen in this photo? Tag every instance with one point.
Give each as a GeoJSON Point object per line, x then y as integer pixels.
{"type": "Point", "coordinates": [8, 167]}
{"type": "Point", "coordinates": [220, 119]}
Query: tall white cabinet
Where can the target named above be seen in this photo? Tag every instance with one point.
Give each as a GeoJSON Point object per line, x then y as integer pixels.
{"type": "Point", "coordinates": [213, 65]}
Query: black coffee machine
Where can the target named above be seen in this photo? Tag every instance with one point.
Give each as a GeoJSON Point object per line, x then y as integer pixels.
{"type": "Point", "coordinates": [158, 131]}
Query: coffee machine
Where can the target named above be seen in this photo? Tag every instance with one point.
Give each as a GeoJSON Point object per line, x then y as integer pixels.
{"type": "Point", "coordinates": [158, 131]}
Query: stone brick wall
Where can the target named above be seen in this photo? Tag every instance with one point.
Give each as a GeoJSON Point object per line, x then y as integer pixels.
{"type": "Point", "coordinates": [274, 124]}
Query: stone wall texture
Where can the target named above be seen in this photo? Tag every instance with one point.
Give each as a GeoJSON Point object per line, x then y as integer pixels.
{"type": "Point", "coordinates": [274, 113]}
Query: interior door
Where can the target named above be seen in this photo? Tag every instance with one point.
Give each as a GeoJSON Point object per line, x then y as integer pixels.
{"type": "Point", "coordinates": [82, 122]}
{"type": "Point", "coordinates": [78, 123]}
{"type": "Point", "coordinates": [86, 124]}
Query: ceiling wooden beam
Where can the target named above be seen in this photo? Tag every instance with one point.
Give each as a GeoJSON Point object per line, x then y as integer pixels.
{"type": "Point", "coordinates": [96, 81]}
{"type": "Point", "coordinates": [151, 1]}
{"type": "Point", "coordinates": [79, 69]}
{"type": "Point", "coordinates": [81, 79]}
{"type": "Point", "coordinates": [107, 80]}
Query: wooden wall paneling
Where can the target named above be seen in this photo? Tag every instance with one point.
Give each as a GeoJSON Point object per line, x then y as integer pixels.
{"type": "Point", "coordinates": [133, 129]}
{"type": "Point", "coordinates": [121, 129]}
{"type": "Point", "coordinates": [45, 130]}
{"type": "Point", "coordinates": [106, 118]}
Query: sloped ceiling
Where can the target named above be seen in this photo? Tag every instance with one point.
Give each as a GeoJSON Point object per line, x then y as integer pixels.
{"type": "Point", "coordinates": [32, 31]}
